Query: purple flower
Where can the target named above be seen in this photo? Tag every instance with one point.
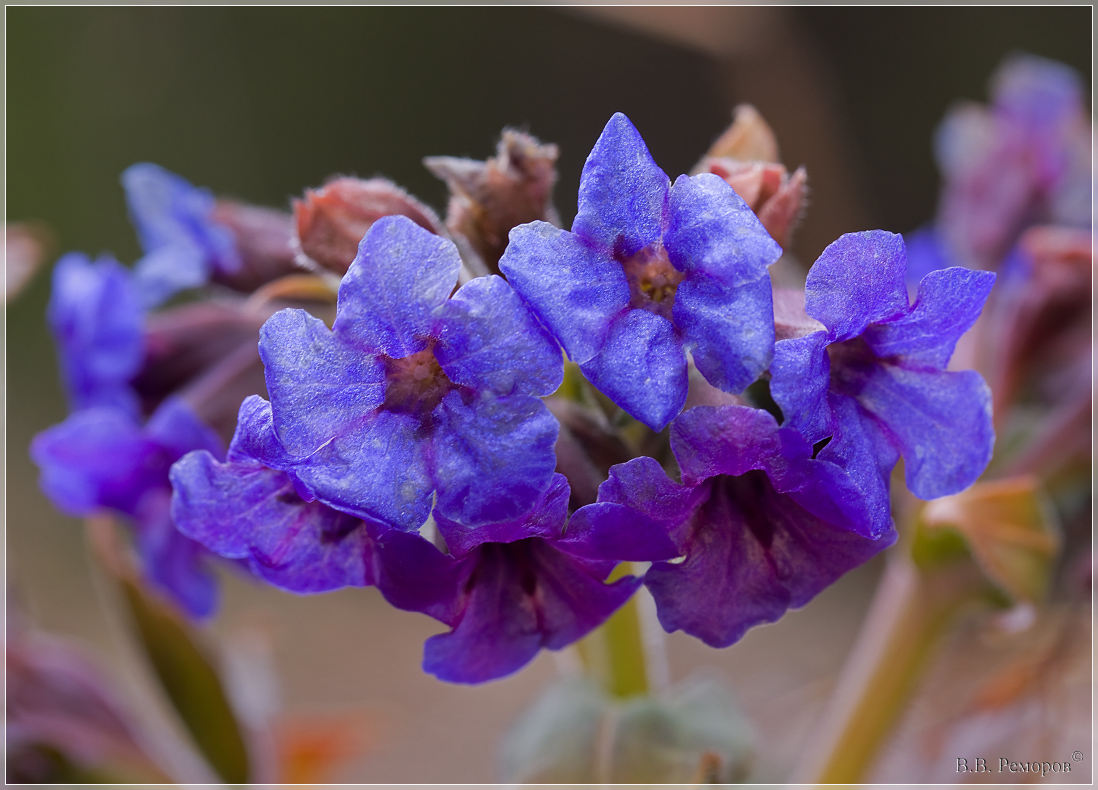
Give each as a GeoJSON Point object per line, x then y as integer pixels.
{"type": "Point", "coordinates": [513, 587]}
{"type": "Point", "coordinates": [873, 374]}
{"type": "Point", "coordinates": [103, 458]}
{"type": "Point", "coordinates": [96, 318]}
{"type": "Point", "coordinates": [1024, 160]}
{"type": "Point", "coordinates": [248, 509]}
{"type": "Point", "coordinates": [650, 271]}
{"type": "Point", "coordinates": [182, 242]}
{"type": "Point", "coordinates": [761, 527]}
{"type": "Point", "coordinates": [414, 392]}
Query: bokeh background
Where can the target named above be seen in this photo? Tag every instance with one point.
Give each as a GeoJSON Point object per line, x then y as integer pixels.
{"type": "Point", "coordinates": [260, 103]}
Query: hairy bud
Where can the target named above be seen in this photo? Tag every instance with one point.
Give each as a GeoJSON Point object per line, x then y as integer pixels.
{"type": "Point", "coordinates": [333, 219]}
{"type": "Point", "coordinates": [489, 198]}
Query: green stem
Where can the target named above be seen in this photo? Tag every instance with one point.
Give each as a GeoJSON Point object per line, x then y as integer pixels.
{"type": "Point", "coordinates": [909, 613]}
{"type": "Point", "coordinates": [614, 653]}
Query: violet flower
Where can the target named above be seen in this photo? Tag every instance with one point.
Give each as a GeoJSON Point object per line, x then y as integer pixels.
{"type": "Point", "coordinates": [182, 241]}
{"type": "Point", "coordinates": [873, 373]}
{"type": "Point", "coordinates": [103, 458]}
{"type": "Point", "coordinates": [96, 318]}
{"type": "Point", "coordinates": [248, 509]}
{"type": "Point", "coordinates": [650, 271]}
{"type": "Point", "coordinates": [414, 392]}
{"type": "Point", "coordinates": [514, 587]}
{"type": "Point", "coordinates": [761, 527]}
{"type": "Point", "coordinates": [1023, 160]}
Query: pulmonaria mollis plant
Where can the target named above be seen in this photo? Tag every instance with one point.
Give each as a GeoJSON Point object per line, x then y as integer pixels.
{"type": "Point", "coordinates": [405, 440]}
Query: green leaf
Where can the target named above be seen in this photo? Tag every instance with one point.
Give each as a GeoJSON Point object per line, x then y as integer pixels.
{"type": "Point", "coordinates": [576, 733]}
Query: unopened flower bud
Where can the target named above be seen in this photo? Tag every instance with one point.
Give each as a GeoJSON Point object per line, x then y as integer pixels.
{"type": "Point", "coordinates": [489, 198]}
{"type": "Point", "coordinates": [264, 242]}
{"type": "Point", "coordinates": [332, 220]}
{"type": "Point", "coordinates": [746, 156]}
{"type": "Point", "coordinates": [28, 243]}
{"type": "Point", "coordinates": [748, 139]}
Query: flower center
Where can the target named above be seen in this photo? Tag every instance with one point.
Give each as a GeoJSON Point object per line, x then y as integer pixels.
{"type": "Point", "coordinates": [748, 499]}
{"type": "Point", "coordinates": [415, 384]}
{"type": "Point", "coordinates": [851, 363]}
{"type": "Point", "coordinates": [652, 280]}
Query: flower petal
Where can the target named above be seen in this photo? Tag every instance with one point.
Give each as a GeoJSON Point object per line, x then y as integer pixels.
{"type": "Point", "coordinates": [487, 339]}
{"type": "Point", "coordinates": [728, 330]}
{"type": "Point", "coordinates": [642, 368]}
{"type": "Point", "coordinates": [415, 576]}
{"type": "Point", "coordinates": [493, 458]}
{"type": "Point", "coordinates": [167, 270]}
{"type": "Point", "coordinates": [754, 554]}
{"type": "Point", "coordinates": [318, 384]}
{"type": "Point", "coordinates": [167, 210]}
{"type": "Point", "coordinates": [244, 510]}
{"type": "Point", "coordinates": [712, 232]}
{"type": "Point", "coordinates": [571, 599]}
{"type": "Point", "coordinates": [948, 303]}
{"type": "Point", "coordinates": [940, 420]}
{"type": "Point", "coordinates": [623, 193]}
{"type": "Point", "coordinates": [850, 486]}
{"type": "Point", "coordinates": [174, 562]}
{"type": "Point", "coordinates": [857, 280]}
{"type": "Point", "coordinates": [96, 318]}
{"type": "Point", "coordinates": [799, 379]}
{"type": "Point", "coordinates": [639, 513]}
{"type": "Point", "coordinates": [732, 440]}
{"type": "Point", "coordinates": [176, 428]}
{"type": "Point", "coordinates": [71, 459]}
{"type": "Point", "coordinates": [574, 288]}
{"type": "Point", "coordinates": [400, 275]}
{"type": "Point", "coordinates": [544, 520]}
{"type": "Point", "coordinates": [376, 469]}
{"type": "Point", "coordinates": [498, 631]}
{"type": "Point", "coordinates": [521, 597]}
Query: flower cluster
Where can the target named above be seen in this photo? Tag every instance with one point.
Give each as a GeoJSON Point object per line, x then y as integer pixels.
{"type": "Point", "coordinates": [406, 440]}
{"type": "Point", "coordinates": [132, 377]}
{"type": "Point", "coordinates": [1024, 160]}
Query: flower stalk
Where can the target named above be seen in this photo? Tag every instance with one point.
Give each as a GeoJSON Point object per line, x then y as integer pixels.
{"type": "Point", "coordinates": [614, 654]}
{"type": "Point", "coordinates": [909, 614]}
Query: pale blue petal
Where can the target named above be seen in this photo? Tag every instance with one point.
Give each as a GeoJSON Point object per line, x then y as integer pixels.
{"type": "Point", "coordinates": [574, 288]}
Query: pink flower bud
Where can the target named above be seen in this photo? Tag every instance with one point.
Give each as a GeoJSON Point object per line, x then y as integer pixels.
{"type": "Point", "coordinates": [333, 219]}
{"type": "Point", "coordinates": [28, 244]}
{"type": "Point", "coordinates": [748, 139]}
{"type": "Point", "coordinates": [746, 156]}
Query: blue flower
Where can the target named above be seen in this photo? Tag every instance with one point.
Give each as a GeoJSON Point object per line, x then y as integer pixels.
{"type": "Point", "coordinates": [650, 271]}
{"type": "Point", "coordinates": [760, 526]}
{"type": "Point", "coordinates": [414, 393]}
{"type": "Point", "coordinates": [182, 242]}
{"type": "Point", "coordinates": [103, 458]}
{"type": "Point", "coordinates": [96, 318]}
{"type": "Point", "coordinates": [250, 510]}
{"type": "Point", "coordinates": [873, 373]}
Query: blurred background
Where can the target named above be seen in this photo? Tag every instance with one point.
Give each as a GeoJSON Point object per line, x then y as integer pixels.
{"type": "Point", "coordinates": [260, 103]}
